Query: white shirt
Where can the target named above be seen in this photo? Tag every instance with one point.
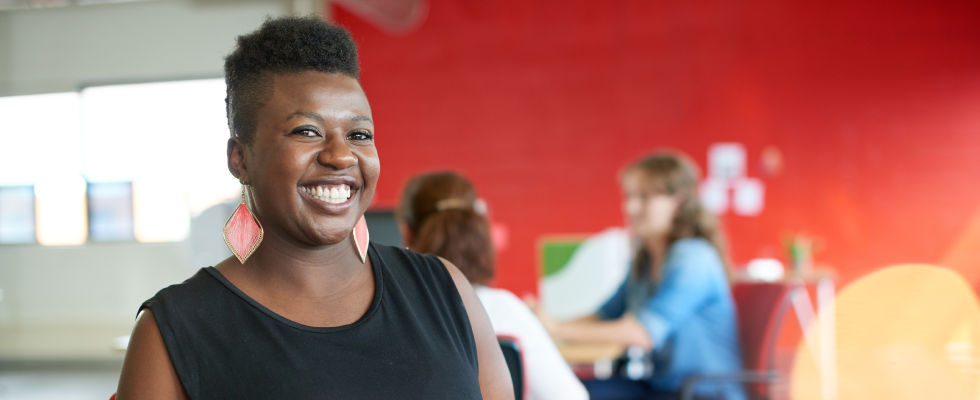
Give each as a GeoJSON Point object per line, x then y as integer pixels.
{"type": "Point", "coordinates": [546, 374]}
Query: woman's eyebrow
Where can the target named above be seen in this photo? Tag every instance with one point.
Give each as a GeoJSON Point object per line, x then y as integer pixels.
{"type": "Point", "coordinates": [318, 117]}
{"type": "Point", "coordinates": [308, 114]}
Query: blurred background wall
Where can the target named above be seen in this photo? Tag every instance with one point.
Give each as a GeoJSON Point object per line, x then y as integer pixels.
{"type": "Point", "coordinates": [872, 107]}
{"type": "Point", "coordinates": [70, 302]}
{"type": "Point", "coordinates": [63, 49]}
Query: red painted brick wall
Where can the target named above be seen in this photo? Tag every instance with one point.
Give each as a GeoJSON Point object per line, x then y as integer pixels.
{"type": "Point", "coordinates": [874, 104]}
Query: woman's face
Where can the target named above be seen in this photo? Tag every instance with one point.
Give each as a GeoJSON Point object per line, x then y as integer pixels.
{"type": "Point", "coordinates": [648, 212]}
{"type": "Point", "coordinates": [312, 165]}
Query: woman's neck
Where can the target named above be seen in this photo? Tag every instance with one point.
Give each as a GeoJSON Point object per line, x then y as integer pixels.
{"type": "Point", "coordinates": [319, 272]}
{"type": "Point", "coordinates": [656, 245]}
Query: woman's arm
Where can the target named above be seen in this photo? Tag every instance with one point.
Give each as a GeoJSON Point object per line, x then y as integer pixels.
{"type": "Point", "coordinates": [147, 372]}
{"type": "Point", "coordinates": [693, 276]}
{"type": "Point", "coordinates": [626, 330]}
{"type": "Point", "coordinates": [495, 382]}
{"type": "Point", "coordinates": [692, 272]}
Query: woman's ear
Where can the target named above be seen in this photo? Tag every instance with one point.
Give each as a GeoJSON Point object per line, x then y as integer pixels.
{"type": "Point", "coordinates": [236, 160]}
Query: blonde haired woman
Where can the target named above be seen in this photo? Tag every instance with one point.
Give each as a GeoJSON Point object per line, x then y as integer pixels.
{"type": "Point", "coordinates": [676, 300]}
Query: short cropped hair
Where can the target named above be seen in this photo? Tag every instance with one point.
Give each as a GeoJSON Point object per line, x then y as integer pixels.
{"type": "Point", "coordinates": [281, 45]}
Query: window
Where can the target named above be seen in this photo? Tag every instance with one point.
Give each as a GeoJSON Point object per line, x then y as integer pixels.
{"type": "Point", "coordinates": [110, 211]}
{"type": "Point", "coordinates": [112, 163]}
{"type": "Point", "coordinates": [61, 214]}
{"type": "Point", "coordinates": [17, 214]}
{"type": "Point", "coordinates": [40, 138]}
{"type": "Point", "coordinates": [169, 140]}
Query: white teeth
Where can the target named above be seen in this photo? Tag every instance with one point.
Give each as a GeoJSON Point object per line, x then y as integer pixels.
{"type": "Point", "coordinates": [335, 195]}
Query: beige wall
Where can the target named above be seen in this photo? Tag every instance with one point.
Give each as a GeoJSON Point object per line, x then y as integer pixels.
{"type": "Point", "coordinates": [70, 302]}
{"type": "Point", "coordinates": [63, 49]}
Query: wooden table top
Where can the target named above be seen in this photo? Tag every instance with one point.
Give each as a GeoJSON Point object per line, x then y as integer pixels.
{"type": "Point", "coordinates": [588, 353]}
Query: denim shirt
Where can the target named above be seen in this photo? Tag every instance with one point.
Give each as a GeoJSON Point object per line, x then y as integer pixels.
{"type": "Point", "coordinates": [690, 316]}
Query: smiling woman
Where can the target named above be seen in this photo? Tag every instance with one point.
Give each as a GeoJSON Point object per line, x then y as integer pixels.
{"type": "Point", "coordinates": [304, 316]}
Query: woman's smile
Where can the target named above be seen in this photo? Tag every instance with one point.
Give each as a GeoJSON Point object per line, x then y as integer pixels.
{"type": "Point", "coordinates": [334, 195]}
{"type": "Point", "coordinates": [313, 165]}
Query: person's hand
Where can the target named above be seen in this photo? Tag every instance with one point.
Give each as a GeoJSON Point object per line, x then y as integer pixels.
{"type": "Point", "coordinates": [630, 325]}
{"type": "Point", "coordinates": [549, 323]}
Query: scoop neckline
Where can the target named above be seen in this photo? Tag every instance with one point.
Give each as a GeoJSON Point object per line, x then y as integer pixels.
{"type": "Point", "coordinates": [376, 263]}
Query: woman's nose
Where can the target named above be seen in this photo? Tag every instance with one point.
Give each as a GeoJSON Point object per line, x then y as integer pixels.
{"type": "Point", "coordinates": [336, 154]}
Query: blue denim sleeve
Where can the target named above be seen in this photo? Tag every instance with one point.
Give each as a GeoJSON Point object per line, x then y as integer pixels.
{"type": "Point", "coordinates": [691, 272]}
{"type": "Point", "coordinates": [615, 307]}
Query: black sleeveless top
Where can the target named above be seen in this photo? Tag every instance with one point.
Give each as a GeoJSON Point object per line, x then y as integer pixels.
{"type": "Point", "coordinates": [414, 342]}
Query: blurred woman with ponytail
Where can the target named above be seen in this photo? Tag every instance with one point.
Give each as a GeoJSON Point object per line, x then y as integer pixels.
{"type": "Point", "coordinates": [676, 302]}
{"type": "Point", "coordinates": [441, 214]}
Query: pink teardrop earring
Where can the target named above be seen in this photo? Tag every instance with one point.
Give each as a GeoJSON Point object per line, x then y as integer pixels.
{"type": "Point", "coordinates": [243, 232]}
{"type": "Point", "coordinates": [361, 238]}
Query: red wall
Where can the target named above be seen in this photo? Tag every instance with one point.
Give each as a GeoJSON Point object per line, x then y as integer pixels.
{"type": "Point", "coordinates": [875, 106]}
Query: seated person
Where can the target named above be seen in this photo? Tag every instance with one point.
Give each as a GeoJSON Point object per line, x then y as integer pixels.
{"type": "Point", "coordinates": [676, 300]}
{"type": "Point", "coordinates": [440, 214]}
{"type": "Point", "coordinates": [307, 308]}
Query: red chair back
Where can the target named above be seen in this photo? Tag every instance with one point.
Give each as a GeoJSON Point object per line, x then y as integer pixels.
{"type": "Point", "coordinates": [761, 308]}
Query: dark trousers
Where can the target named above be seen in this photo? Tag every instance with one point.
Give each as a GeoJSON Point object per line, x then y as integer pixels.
{"type": "Point", "coordinates": [624, 389]}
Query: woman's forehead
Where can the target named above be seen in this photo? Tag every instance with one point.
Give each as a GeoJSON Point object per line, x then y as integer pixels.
{"type": "Point", "coordinates": [310, 91]}
{"type": "Point", "coordinates": [641, 181]}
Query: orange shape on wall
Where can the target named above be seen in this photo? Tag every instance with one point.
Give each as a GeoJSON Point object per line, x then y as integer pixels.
{"type": "Point", "coordinates": [904, 332]}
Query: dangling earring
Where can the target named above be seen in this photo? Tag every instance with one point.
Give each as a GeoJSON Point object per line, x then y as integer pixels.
{"type": "Point", "coordinates": [361, 238]}
{"type": "Point", "coordinates": [243, 232]}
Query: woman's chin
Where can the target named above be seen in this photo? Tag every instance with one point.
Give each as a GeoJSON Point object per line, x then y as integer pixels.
{"type": "Point", "coordinates": [329, 238]}
{"type": "Point", "coordinates": [321, 230]}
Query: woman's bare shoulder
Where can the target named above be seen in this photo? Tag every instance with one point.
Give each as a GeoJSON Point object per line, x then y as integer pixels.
{"type": "Point", "coordinates": [495, 382]}
{"type": "Point", "coordinates": [147, 371]}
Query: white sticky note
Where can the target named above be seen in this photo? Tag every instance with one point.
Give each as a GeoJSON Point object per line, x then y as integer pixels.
{"type": "Point", "coordinates": [714, 195]}
{"type": "Point", "coordinates": [726, 160]}
{"type": "Point", "coordinates": [749, 195]}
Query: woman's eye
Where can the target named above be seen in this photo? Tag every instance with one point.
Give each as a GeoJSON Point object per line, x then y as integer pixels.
{"type": "Point", "coordinates": [360, 135]}
{"type": "Point", "coordinates": [306, 132]}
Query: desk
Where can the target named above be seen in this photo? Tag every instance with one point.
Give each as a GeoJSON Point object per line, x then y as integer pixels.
{"type": "Point", "coordinates": [591, 360]}
{"type": "Point", "coordinates": [807, 277]}
{"type": "Point", "coordinates": [588, 353]}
